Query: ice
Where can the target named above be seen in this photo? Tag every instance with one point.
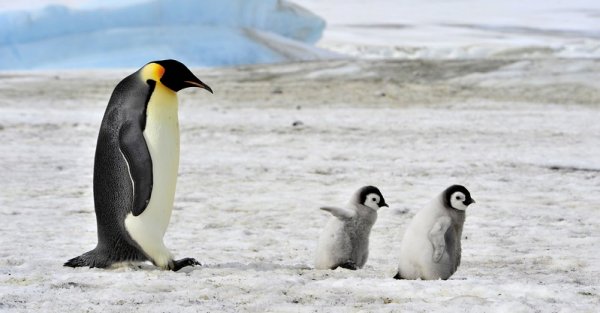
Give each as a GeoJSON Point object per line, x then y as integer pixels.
{"type": "Point", "coordinates": [198, 33]}
{"type": "Point", "coordinates": [212, 33]}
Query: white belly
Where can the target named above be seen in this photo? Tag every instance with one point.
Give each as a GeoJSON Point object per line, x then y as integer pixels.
{"type": "Point", "coordinates": [416, 249]}
{"type": "Point", "coordinates": [162, 138]}
{"type": "Point", "coordinates": [334, 246]}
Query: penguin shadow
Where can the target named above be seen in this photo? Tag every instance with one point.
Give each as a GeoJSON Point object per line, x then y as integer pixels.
{"type": "Point", "coordinates": [257, 266]}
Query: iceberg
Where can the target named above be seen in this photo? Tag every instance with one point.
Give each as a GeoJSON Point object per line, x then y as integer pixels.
{"type": "Point", "coordinates": [197, 32]}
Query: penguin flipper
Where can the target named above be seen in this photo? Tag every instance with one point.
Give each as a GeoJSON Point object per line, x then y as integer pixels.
{"type": "Point", "coordinates": [343, 214]}
{"type": "Point", "coordinates": [436, 237]}
{"type": "Point", "coordinates": [137, 156]}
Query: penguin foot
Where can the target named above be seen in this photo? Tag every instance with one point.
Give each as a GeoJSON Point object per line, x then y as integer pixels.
{"type": "Point", "coordinates": [179, 264]}
{"type": "Point", "coordinates": [398, 276]}
{"type": "Point", "coordinates": [349, 265]}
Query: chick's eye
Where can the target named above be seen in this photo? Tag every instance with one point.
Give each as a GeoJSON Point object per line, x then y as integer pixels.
{"type": "Point", "coordinates": [457, 198]}
{"type": "Point", "coordinates": [375, 199]}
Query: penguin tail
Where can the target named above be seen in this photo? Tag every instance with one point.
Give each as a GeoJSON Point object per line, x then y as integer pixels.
{"type": "Point", "coordinates": [398, 276]}
{"type": "Point", "coordinates": [89, 259]}
{"type": "Point", "coordinates": [76, 262]}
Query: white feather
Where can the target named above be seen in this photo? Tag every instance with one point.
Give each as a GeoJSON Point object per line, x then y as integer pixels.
{"type": "Point", "coordinates": [162, 137]}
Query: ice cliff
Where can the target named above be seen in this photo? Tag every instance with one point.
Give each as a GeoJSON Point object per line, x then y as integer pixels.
{"type": "Point", "coordinates": [197, 32]}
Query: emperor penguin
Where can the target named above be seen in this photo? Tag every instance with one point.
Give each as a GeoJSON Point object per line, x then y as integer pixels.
{"type": "Point", "coordinates": [135, 168]}
{"type": "Point", "coordinates": [344, 241]}
{"type": "Point", "coordinates": [430, 248]}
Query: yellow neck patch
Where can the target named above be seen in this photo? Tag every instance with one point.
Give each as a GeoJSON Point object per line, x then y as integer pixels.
{"type": "Point", "coordinates": [152, 71]}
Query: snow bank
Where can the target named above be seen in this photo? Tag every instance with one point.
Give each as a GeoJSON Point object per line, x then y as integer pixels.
{"type": "Point", "coordinates": [460, 29]}
{"type": "Point", "coordinates": [199, 33]}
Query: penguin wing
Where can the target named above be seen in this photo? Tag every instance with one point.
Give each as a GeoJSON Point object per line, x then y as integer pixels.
{"type": "Point", "coordinates": [343, 214]}
{"type": "Point", "coordinates": [436, 237]}
{"type": "Point", "coordinates": [134, 149]}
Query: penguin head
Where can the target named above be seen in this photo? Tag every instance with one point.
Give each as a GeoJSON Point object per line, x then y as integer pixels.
{"type": "Point", "coordinates": [173, 74]}
{"type": "Point", "coordinates": [457, 197]}
{"type": "Point", "coordinates": [371, 196]}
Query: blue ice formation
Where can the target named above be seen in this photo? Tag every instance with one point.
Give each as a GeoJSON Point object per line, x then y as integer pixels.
{"type": "Point", "coordinates": [196, 32]}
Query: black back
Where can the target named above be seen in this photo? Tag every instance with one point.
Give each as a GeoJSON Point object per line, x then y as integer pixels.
{"type": "Point", "coordinates": [121, 134]}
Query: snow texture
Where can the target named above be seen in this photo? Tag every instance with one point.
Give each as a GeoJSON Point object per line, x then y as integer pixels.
{"type": "Point", "coordinates": [503, 99]}
{"type": "Point", "coordinates": [460, 29]}
{"type": "Point", "coordinates": [523, 136]}
{"type": "Point", "coordinates": [198, 33]}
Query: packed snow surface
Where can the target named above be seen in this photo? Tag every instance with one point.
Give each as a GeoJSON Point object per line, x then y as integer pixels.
{"type": "Point", "coordinates": [488, 105]}
{"type": "Point", "coordinates": [522, 135]}
{"type": "Point", "coordinates": [199, 33]}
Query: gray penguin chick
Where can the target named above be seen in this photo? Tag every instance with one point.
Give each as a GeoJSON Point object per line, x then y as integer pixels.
{"type": "Point", "coordinates": [430, 248]}
{"type": "Point", "coordinates": [345, 240]}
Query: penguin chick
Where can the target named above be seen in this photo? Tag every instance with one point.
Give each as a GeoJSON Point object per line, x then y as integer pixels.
{"type": "Point", "coordinates": [345, 240]}
{"type": "Point", "coordinates": [430, 248]}
{"type": "Point", "coordinates": [135, 168]}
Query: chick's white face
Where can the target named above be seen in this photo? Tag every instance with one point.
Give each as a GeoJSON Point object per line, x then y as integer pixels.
{"type": "Point", "coordinates": [457, 201]}
{"type": "Point", "coordinates": [372, 201]}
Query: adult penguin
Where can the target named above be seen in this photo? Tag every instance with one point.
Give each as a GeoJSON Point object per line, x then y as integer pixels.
{"type": "Point", "coordinates": [135, 168]}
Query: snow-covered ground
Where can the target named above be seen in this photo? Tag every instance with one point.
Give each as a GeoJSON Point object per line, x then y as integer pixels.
{"type": "Point", "coordinates": [503, 99]}
{"type": "Point", "coordinates": [522, 135]}
{"type": "Point", "coordinates": [460, 29]}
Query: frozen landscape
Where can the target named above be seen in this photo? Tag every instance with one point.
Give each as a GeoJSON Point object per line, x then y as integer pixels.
{"type": "Point", "coordinates": [99, 34]}
{"type": "Point", "coordinates": [460, 29]}
{"type": "Point", "coordinates": [522, 135]}
{"type": "Point", "coordinates": [276, 142]}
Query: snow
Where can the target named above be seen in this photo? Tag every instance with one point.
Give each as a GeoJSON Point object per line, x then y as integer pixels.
{"type": "Point", "coordinates": [199, 33]}
{"type": "Point", "coordinates": [502, 99]}
{"type": "Point", "coordinates": [70, 34]}
{"type": "Point", "coordinates": [522, 135]}
{"type": "Point", "coordinates": [460, 29]}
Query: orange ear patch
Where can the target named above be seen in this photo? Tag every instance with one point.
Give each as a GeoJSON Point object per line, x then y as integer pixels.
{"type": "Point", "coordinates": [152, 71]}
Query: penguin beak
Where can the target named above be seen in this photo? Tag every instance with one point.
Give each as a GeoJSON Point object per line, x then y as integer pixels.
{"type": "Point", "coordinates": [384, 205]}
{"type": "Point", "coordinates": [470, 202]}
{"type": "Point", "coordinates": [198, 84]}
